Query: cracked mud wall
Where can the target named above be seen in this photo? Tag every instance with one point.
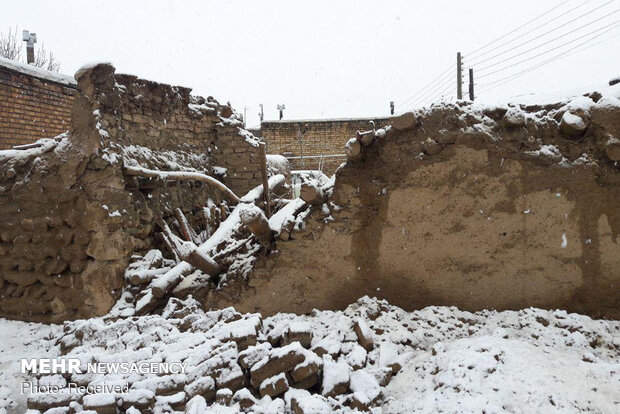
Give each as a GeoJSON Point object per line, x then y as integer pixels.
{"type": "Point", "coordinates": [479, 218]}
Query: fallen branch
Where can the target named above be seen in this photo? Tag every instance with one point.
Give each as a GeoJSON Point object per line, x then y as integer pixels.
{"type": "Point", "coordinates": [181, 176]}
{"type": "Point", "coordinates": [263, 170]}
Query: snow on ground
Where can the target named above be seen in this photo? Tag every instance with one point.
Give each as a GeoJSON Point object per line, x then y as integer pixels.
{"type": "Point", "coordinates": [493, 374]}
{"type": "Point", "coordinates": [21, 340]}
{"type": "Point", "coordinates": [443, 359]}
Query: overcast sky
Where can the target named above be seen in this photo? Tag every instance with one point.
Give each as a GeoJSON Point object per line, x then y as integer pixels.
{"type": "Point", "coordinates": [320, 58]}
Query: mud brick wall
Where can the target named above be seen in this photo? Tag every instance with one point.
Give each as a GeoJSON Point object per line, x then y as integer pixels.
{"type": "Point", "coordinates": [71, 219]}
{"type": "Point", "coordinates": [303, 142]}
{"type": "Point", "coordinates": [32, 107]}
{"type": "Point", "coordinates": [501, 207]}
{"type": "Point", "coordinates": [162, 118]}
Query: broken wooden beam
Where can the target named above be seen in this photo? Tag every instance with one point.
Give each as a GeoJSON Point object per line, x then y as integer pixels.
{"type": "Point", "coordinates": [263, 172]}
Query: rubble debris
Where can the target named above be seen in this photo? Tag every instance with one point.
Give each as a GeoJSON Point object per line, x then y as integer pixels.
{"type": "Point", "coordinates": [612, 148]}
{"type": "Point", "coordinates": [365, 336]}
{"type": "Point", "coordinates": [421, 344]}
{"type": "Point", "coordinates": [312, 194]}
{"type": "Point", "coordinates": [353, 149]}
{"type": "Point", "coordinates": [572, 125]}
{"type": "Point", "coordinates": [404, 122]}
{"type": "Point", "coordinates": [256, 221]}
{"type": "Point", "coordinates": [514, 117]}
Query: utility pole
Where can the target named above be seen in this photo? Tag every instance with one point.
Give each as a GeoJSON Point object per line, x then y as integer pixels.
{"type": "Point", "coordinates": [281, 108]}
{"type": "Point", "coordinates": [459, 76]}
{"type": "Point", "coordinates": [260, 114]}
{"type": "Point", "coordinates": [471, 84]}
{"type": "Point", "coordinates": [30, 39]}
{"type": "Point", "coordinates": [391, 107]}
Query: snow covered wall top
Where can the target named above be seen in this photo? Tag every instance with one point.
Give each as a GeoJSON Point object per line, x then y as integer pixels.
{"type": "Point", "coordinates": [465, 205]}
{"type": "Point", "coordinates": [36, 72]}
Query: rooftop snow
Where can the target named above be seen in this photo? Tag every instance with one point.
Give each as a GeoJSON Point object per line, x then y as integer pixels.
{"type": "Point", "coordinates": [37, 72]}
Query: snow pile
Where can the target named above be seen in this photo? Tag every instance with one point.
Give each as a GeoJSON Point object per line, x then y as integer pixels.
{"type": "Point", "coordinates": [505, 375]}
{"type": "Point", "coordinates": [437, 359]}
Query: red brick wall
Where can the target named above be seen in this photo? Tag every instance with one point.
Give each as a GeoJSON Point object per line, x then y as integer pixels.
{"type": "Point", "coordinates": [32, 108]}
{"type": "Point", "coordinates": [309, 143]}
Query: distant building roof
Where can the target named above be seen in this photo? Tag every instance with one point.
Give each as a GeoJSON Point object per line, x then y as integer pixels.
{"type": "Point", "coordinates": [295, 121]}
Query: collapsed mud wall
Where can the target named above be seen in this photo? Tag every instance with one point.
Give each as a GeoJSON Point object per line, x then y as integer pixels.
{"type": "Point", "coordinates": [475, 207]}
{"type": "Point", "coordinates": [71, 218]}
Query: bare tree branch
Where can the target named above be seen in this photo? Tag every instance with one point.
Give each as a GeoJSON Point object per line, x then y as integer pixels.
{"type": "Point", "coordinates": [10, 46]}
{"type": "Point", "coordinates": [46, 60]}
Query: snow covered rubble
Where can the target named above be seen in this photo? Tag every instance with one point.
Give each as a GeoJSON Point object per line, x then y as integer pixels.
{"type": "Point", "coordinates": [371, 356]}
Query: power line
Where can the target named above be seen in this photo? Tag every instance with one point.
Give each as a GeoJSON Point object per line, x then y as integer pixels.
{"type": "Point", "coordinates": [547, 32]}
{"type": "Point", "coordinates": [518, 28]}
{"type": "Point", "coordinates": [540, 26]}
{"type": "Point", "coordinates": [545, 52]}
{"type": "Point", "coordinates": [566, 53]}
{"type": "Point", "coordinates": [439, 95]}
{"type": "Point", "coordinates": [429, 93]}
{"type": "Point", "coordinates": [448, 81]}
{"type": "Point", "coordinates": [426, 86]}
{"type": "Point", "coordinates": [545, 43]}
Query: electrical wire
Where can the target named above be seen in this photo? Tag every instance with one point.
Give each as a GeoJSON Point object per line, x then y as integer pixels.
{"type": "Point", "coordinates": [518, 28]}
{"type": "Point", "coordinates": [566, 53]}
{"type": "Point", "coordinates": [429, 93]}
{"type": "Point", "coordinates": [551, 31]}
{"type": "Point", "coordinates": [545, 52]}
{"type": "Point", "coordinates": [441, 75]}
{"type": "Point", "coordinates": [473, 58]}
{"type": "Point", "coordinates": [550, 41]}
{"type": "Point", "coordinates": [448, 81]}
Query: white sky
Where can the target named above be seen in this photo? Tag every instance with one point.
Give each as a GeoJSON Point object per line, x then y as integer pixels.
{"type": "Point", "coordinates": [320, 58]}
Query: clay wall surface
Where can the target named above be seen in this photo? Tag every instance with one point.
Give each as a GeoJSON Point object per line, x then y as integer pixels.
{"type": "Point", "coordinates": [473, 207]}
